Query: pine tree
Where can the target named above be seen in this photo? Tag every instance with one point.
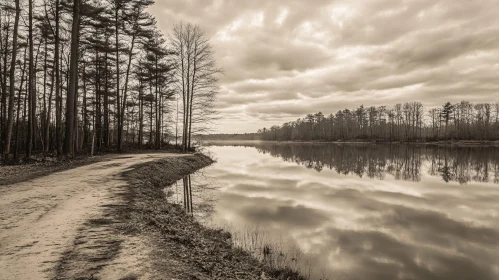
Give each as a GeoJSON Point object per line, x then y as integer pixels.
{"type": "Point", "coordinates": [10, 119]}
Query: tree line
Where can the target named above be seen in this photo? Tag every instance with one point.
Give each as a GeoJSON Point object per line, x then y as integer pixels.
{"type": "Point", "coordinates": [404, 122]}
{"type": "Point", "coordinates": [78, 76]}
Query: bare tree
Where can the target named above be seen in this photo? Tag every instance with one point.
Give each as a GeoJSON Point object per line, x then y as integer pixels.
{"type": "Point", "coordinates": [196, 75]}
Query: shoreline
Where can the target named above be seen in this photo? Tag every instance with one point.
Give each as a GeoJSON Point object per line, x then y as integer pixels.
{"type": "Point", "coordinates": [457, 143]}
{"type": "Point", "coordinates": [183, 248]}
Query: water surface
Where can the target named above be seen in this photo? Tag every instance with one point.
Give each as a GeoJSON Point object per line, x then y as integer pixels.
{"type": "Point", "coordinates": [361, 211]}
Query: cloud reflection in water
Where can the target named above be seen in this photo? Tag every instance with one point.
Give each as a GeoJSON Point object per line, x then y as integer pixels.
{"type": "Point", "coordinates": [384, 212]}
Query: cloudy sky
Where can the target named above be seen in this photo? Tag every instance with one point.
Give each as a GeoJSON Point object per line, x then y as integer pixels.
{"type": "Point", "coordinates": [286, 58]}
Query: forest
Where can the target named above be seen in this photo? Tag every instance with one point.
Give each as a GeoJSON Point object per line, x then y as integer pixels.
{"type": "Point", "coordinates": [404, 122]}
{"type": "Point", "coordinates": [83, 76]}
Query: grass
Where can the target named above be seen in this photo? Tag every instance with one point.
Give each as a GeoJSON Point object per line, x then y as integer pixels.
{"type": "Point", "coordinates": [281, 259]}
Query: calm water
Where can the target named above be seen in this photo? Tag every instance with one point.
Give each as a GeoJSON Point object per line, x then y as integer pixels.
{"type": "Point", "coordinates": [361, 211]}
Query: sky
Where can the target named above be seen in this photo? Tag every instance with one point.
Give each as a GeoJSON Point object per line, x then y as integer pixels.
{"type": "Point", "coordinates": [283, 59]}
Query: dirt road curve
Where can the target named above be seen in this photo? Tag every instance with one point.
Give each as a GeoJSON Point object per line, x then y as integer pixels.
{"type": "Point", "coordinates": [39, 219]}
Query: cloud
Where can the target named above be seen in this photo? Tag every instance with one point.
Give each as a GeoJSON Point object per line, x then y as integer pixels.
{"type": "Point", "coordinates": [283, 59]}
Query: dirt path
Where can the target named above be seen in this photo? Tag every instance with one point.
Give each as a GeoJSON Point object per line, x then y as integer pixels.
{"type": "Point", "coordinates": [40, 219]}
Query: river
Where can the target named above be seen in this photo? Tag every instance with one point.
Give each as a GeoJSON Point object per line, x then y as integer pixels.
{"type": "Point", "coordinates": [355, 211]}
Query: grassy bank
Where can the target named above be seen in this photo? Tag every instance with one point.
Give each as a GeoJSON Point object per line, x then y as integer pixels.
{"type": "Point", "coordinates": [184, 248]}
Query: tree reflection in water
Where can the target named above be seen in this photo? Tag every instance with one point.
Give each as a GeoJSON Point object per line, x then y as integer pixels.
{"type": "Point", "coordinates": [187, 194]}
{"type": "Point", "coordinates": [195, 193]}
{"type": "Point", "coordinates": [402, 161]}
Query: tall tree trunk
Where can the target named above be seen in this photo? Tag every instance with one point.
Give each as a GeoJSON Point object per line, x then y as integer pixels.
{"type": "Point", "coordinates": [106, 103]}
{"type": "Point", "coordinates": [193, 82]}
{"type": "Point", "coordinates": [29, 140]}
{"type": "Point", "coordinates": [23, 74]}
{"type": "Point", "coordinates": [5, 49]}
{"type": "Point", "coordinates": [44, 117]}
{"type": "Point", "coordinates": [187, 106]}
{"type": "Point", "coordinates": [12, 81]}
{"type": "Point", "coordinates": [98, 103]}
{"type": "Point", "coordinates": [49, 112]}
{"type": "Point", "coordinates": [118, 111]}
{"type": "Point", "coordinates": [16, 143]}
{"type": "Point", "coordinates": [76, 131]}
{"type": "Point", "coordinates": [84, 109]}
{"type": "Point", "coordinates": [127, 77]}
{"type": "Point", "coordinates": [141, 121]}
{"type": "Point", "coordinates": [150, 118]}
{"type": "Point", "coordinates": [33, 98]}
{"type": "Point", "coordinates": [72, 86]}
{"type": "Point", "coordinates": [58, 95]}
{"type": "Point", "coordinates": [176, 126]}
{"type": "Point", "coordinates": [157, 107]}
{"type": "Point", "coordinates": [184, 94]}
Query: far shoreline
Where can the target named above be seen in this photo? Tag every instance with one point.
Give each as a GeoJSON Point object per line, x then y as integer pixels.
{"type": "Point", "coordinates": [454, 143]}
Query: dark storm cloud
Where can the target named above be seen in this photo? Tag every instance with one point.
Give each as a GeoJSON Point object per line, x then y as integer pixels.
{"type": "Point", "coordinates": [285, 58]}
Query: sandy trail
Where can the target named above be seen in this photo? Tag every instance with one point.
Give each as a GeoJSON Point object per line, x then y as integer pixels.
{"type": "Point", "coordinates": [39, 219]}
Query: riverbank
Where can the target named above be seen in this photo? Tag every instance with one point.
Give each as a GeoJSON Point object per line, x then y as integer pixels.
{"type": "Point", "coordinates": [182, 247]}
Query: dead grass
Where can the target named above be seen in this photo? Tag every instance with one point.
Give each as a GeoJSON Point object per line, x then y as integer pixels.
{"type": "Point", "coordinates": [280, 258]}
